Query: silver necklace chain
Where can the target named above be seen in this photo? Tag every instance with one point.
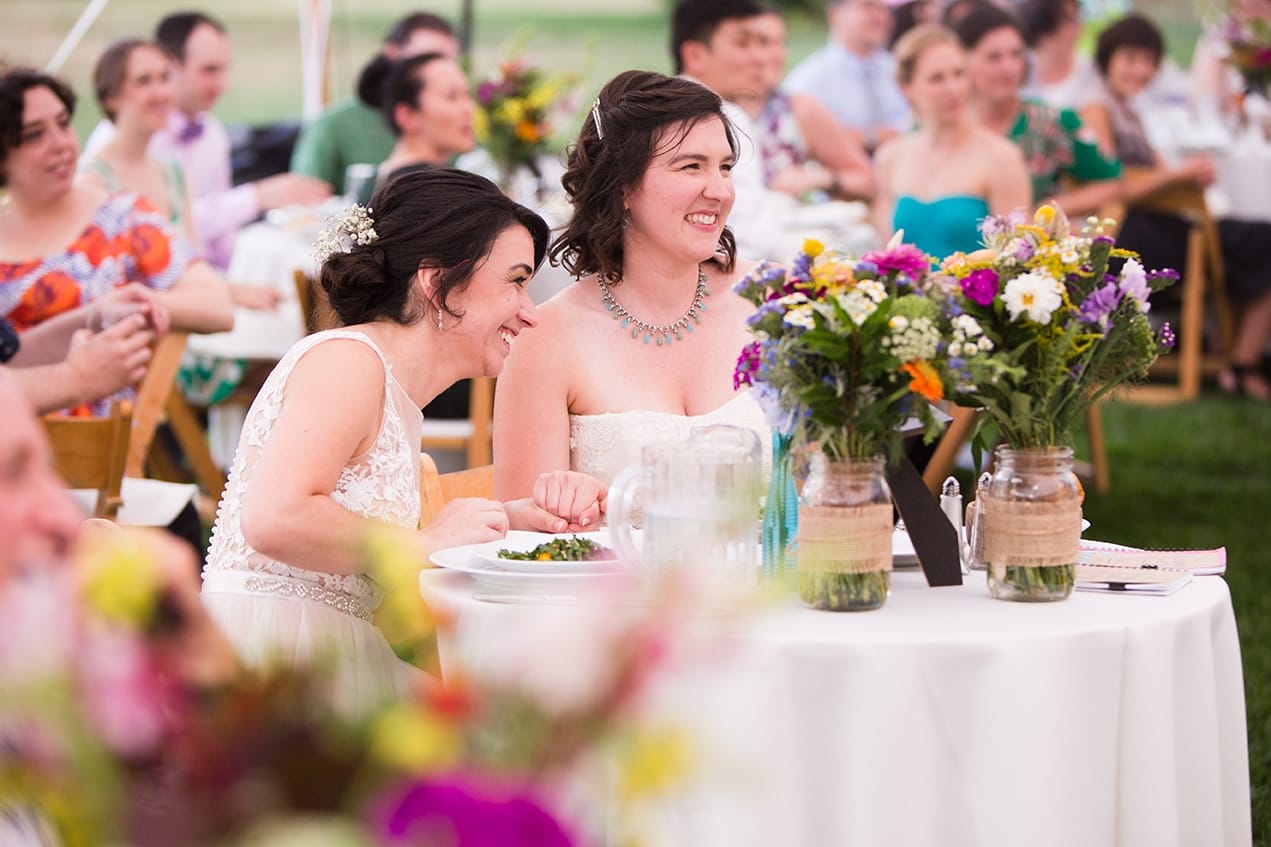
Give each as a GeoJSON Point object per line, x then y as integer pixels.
{"type": "Point", "coordinates": [662, 333]}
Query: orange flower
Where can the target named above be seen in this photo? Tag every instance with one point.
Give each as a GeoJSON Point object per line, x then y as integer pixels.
{"type": "Point", "coordinates": [528, 132]}
{"type": "Point", "coordinates": [925, 380]}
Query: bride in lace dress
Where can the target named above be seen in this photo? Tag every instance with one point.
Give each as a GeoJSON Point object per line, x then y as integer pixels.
{"type": "Point", "coordinates": [427, 295]}
{"type": "Point", "coordinates": [642, 347]}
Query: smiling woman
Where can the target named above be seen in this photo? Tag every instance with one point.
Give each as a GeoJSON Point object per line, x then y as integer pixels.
{"type": "Point", "coordinates": [330, 447]}
{"type": "Point", "coordinates": [642, 347]}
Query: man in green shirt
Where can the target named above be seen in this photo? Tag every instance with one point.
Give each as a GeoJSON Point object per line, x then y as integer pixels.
{"type": "Point", "coordinates": [350, 132]}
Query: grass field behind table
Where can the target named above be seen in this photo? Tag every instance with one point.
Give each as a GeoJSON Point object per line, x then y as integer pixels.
{"type": "Point", "coordinates": [1187, 476]}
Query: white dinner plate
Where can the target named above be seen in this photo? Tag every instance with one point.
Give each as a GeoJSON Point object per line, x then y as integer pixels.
{"type": "Point", "coordinates": [480, 561]}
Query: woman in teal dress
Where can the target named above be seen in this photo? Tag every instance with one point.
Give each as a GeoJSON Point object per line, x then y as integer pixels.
{"type": "Point", "coordinates": [940, 180]}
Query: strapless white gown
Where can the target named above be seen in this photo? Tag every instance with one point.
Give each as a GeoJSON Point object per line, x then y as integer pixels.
{"type": "Point", "coordinates": [602, 445]}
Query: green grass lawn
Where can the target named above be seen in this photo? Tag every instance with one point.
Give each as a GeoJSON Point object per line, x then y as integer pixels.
{"type": "Point", "coordinates": [1199, 475]}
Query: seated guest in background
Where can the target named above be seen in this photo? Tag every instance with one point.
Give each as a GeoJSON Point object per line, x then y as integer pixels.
{"type": "Point", "coordinates": [430, 287]}
{"type": "Point", "coordinates": [940, 180]}
{"type": "Point", "coordinates": [906, 16]}
{"type": "Point", "coordinates": [853, 74]}
{"type": "Point", "coordinates": [63, 243]}
{"type": "Point", "coordinates": [717, 43]}
{"type": "Point", "coordinates": [85, 354]}
{"type": "Point", "coordinates": [351, 132]}
{"type": "Point", "coordinates": [1058, 74]}
{"type": "Point", "coordinates": [1063, 158]}
{"type": "Point", "coordinates": [802, 147]}
{"type": "Point", "coordinates": [195, 138]}
{"type": "Point", "coordinates": [134, 89]}
{"type": "Point", "coordinates": [649, 182]}
{"type": "Point", "coordinates": [1128, 53]}
{"type": "Point", "coordinates": [427, 104]}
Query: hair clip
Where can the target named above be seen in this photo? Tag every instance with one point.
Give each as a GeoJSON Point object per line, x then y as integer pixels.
{"type": "Point", "coordinates": [343, 231]}
{"type": "Point", "coordinates": [595, 117]}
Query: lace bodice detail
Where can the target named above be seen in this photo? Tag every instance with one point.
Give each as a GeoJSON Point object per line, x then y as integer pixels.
{"type": "Point", "coordinates": [601, 445]}
{"type": "Point", "coordinates": [382, 483]}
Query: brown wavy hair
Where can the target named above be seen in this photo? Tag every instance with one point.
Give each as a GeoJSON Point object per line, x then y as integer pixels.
{"type": "Point", "coordinates": [642, 114]}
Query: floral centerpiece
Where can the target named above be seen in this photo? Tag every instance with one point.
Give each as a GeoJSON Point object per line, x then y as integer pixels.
{"type": "Point", "coordinates": [106, 737]}
{"type": "Point", "coordinates": [847, 350]}
{"type": "Point", "coordinates": [516, 107]}
{"type": "Point", "coordinates": [1039, 329]}
{"type": "Point", "coordinates": [1249, 49]}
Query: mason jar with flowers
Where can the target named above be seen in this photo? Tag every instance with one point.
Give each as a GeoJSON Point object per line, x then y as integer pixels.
{"type": "Point", "coordinates": [846, 351]}
{"type": "Point", "coordinates": [1039, 329]}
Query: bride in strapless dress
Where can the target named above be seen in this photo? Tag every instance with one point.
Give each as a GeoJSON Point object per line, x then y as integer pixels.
{"type": "Point", "coordinates": [642, 347]}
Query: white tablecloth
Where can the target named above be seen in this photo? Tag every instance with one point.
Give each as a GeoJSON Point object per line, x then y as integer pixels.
{"type": "Point", "coordinates": [950, 718]}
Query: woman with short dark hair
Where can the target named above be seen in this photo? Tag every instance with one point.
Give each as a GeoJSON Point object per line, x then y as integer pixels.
{"type": "Point", "coordinates": [430, 286]}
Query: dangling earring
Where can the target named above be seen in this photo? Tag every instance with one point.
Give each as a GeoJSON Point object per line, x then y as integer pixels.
{"type": "Point", "coordinates": [440, 328]}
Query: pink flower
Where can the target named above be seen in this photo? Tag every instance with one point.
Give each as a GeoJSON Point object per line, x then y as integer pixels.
{"type": "Point", "coordinates": [980, 286]}
{"type": "Point", "coordinates": [903, 259]}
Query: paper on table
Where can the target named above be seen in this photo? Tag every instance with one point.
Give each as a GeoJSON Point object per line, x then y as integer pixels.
{"type": "Point", "coordinates": [1198, 562]}
{"type": "Point", "coordinates": [1138, 580]}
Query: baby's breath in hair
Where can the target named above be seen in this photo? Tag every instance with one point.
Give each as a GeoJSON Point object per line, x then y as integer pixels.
{"type": "Point", "coordinates": [352, 227]}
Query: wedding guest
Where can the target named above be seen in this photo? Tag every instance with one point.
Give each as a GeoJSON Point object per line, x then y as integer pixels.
{"type": "Point", "coordinates": [430, 287]}
{"type": "Point", "coordinates": [197, 140]}
{"type": "Point", "coordinates": [133, 82]}
{"type": "Point", "coordinates": [1059, 74]}
{"type": "Point", "coordinates": [641, 348]}
{"type": "Point", "coordinates": [427, 104]}
{"type": "Point", "coordinates": [1062, 156]}
{"type": "Point", "coordinates": [802, 147]}
{"type": "Point", "coordinates": [351, 131]}
{"type": "Point", "coordinates": [940, 180]}
{"type": "Point", "coordinates": [853, 74]}
{"type": "Point", "coordinates": [908, 15]}
{"type": "Point", "coordinates": [64, 243]}
{"type": "Point", "coordinates": [717, 44]}
{"type": "Point", "coordinates": [1128, 53]}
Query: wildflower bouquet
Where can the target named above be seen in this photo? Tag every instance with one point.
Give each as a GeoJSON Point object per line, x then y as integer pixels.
{"type": "Point", "coordinates": [1039, 329]}
{"type": "Point", "coordinates": [516, 107]}
{"type": "Point", "coordinates": [846, 349]}
{"type": "Point", "coordinates": [1249, 45]}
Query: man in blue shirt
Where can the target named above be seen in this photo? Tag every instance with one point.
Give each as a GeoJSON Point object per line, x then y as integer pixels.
{"type": "Point", "coordinates": [853, 74]}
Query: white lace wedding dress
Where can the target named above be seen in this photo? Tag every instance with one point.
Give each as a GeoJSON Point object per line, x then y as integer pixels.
{"type": "Point", "coordinates": [276, 614]}
{"type": "Point", "coordinates": [601, 445]}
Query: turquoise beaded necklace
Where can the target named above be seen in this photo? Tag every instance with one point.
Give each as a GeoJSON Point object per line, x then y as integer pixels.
{"type": "Point", "coordinates": [662, 333]}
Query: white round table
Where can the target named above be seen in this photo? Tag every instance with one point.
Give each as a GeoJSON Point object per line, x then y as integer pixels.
{"type": "Point", "coordinates": [950, 718]}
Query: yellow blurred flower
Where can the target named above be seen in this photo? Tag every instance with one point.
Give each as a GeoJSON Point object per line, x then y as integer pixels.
{"type": "Point", "coordinates": [654, 761]}
{"type": "Point", "coordinates": [120, 579]}
{"type": "Point", "coordinates": [813, 247]}
{"type": "Point", "coordinates": [510, 111]}
{"type": "Point", "coordinates": [414, 740]}
{"type": "Point", "coordinates": [481, 125]}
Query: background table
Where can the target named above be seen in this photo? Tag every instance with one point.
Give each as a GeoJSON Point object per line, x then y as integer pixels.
{"type": "Point", "coordinates": [950, 718]}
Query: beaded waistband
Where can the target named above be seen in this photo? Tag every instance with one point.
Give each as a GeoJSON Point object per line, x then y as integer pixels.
{"type": "Point", "coordinates": [262, 582]}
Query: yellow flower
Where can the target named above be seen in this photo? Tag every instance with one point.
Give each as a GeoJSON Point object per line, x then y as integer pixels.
{"type": "Point", "coordinates": [120, 579]}
{"type": "Point", "coordinates": [414, 740]}
{"type": "Point", "coordinates": [813, 247]}
{"type": "Point", "coordinates": [1044, 215]}
{"type": "Point", "coordinates": [925, 380]}
{"type": "Point", "coordinates": [653, 761]}
{"type": "Point", "coordinates": [481, 125]}
{"type": "Point", "coordinates": [510, 111]}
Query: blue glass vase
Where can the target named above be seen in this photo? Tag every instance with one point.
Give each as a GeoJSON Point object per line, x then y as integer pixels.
{"type": "Point", "coordinates": [780, 516]}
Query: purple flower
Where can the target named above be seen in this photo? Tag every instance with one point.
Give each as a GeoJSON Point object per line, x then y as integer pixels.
{"type": "Point", "coordinates": [747, 366]}
{"type": "Point", "coordinates": [902, 259]}
{"type": "Point", "coordinates": [466, 814]}
{"type": "Point", "coordinates": [980, 286]}
{"type": "Point", "coordinates": [485, 93]}
{"type": "Point", "coordinates": [1167, 336]}
{"type": "Point", "coordinates": [1134, 284]}
{"type": "Point", "coordinates": [1098, 307]}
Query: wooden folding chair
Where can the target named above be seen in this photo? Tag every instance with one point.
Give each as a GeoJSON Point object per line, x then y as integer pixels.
{"type": "Point", "coordinates": [1202, 273]}
{"type": "Point", "coordinates": [92, 452]}
{"type": "Point", "coordinates": [314, 307]}
{"type": "Point", "coordinates": [438, 489]}
{"type": "Point", "coordinates": [159, 400]}
{"type": "Point", "coordinates": [472, 434]}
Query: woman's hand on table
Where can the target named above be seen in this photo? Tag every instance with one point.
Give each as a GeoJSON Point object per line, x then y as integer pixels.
{"type": "Point", "coordinates": [466, 520]}
{"type": "Point", "coordinates": [574, 497]}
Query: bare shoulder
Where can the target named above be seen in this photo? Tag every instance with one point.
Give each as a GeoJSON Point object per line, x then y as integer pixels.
{"type": "Point", "coordinates": [996, 147]}
{"type": "Point", "coordinates": [343, 366]}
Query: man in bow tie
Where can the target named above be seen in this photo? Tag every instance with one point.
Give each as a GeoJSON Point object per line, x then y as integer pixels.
{"type": "Point", "coordinates": [195, 138]}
